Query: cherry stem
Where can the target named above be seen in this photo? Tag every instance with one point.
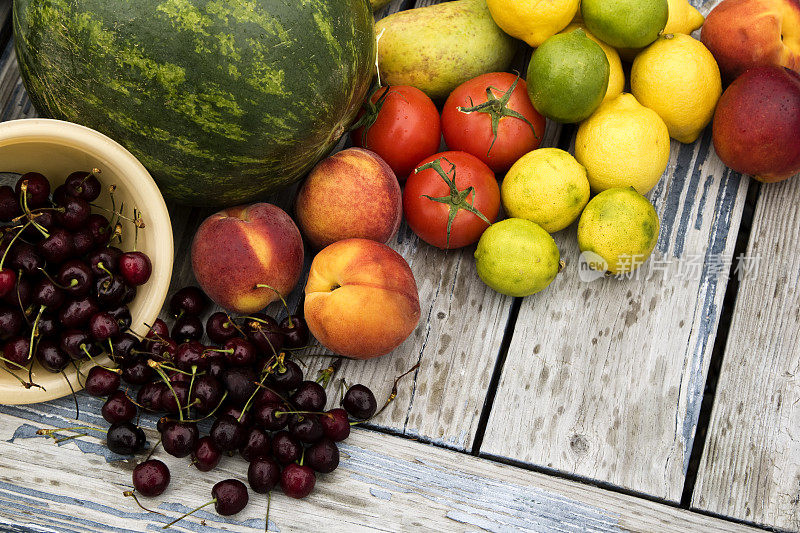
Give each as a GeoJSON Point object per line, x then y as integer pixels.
{"type": "Point", "coordinates": [157, 367]}
{"type": "Point", "coordinates": [54, 282]}
{"type": "Point", "coordinates": [392, 395]}
{"type": "Point", "coordinates": [266, 520]}
{"type": "Point", "coordinates": [456, 200]}
{"type": "Point", "coordinates": [74, 396]}
{"type": "Point", "coordinates": [326, 375]}
{"type": "Point", "coordinates": [14, 363]}
{"type": "Point", "coordinates": [191, 385]}
{"type": "Point", "coordinates": [285, 305]}
{"type": "Point", "coordinates": [92, 359]}
{"type": "Point", "coordinates": [250, 399]}
{"type": "Point", "coordinates": [282, 413]}
{"type": "Point", "coordinates": [190, 512]}
{"type": "Point", "coordinates": [102, 267]}
{"type": "Point", "coordinates": [51, 432]}
{"type": "Point", "coordinates": [3, 260]}
{"type": "Point", "coordinates": [153, 449]}
{"type": "Point", "coordinates": [221, 401]}
{"type": "Point", "coordinates": [130, 493]}
{"type": "Point", "coordinates": [35, 333]}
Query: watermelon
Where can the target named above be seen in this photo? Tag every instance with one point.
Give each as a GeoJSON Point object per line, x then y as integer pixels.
{"type": "Point", "coordinates": [224, 101]}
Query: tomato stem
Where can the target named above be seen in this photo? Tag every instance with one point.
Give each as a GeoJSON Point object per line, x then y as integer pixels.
{"type": "Point", "coordinates": [456, 200]}
{"type": "Point", "coordinates": [497, 108]}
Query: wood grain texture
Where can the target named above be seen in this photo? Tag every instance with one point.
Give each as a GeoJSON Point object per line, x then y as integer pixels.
{"type": "Point", "coordinates": [604, 379]}
{"type": "Point", "coordinates": [384, 483]}
{"type": "Point", "coordinates": [750, 467]}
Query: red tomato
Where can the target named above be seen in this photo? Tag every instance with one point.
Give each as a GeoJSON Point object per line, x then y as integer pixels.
{"type": "Point", "coordinates": [429, 218]}
{"type": "Point", "coordinates": [472, 132]}
{"type": "Point", "coordinates": [406, 130]}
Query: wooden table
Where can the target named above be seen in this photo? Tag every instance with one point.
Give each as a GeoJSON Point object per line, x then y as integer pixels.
{"type": "Point", "coordinates": [670, 401]}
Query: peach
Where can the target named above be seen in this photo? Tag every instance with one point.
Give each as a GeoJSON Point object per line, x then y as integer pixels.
{"type": "Point", "coordinates": [757, 124]}
{"type": "Point", "coordinates": [747, 33]}
{"type": "Point", "coordinates": [353, 193]}
{"type": "Point", "coordinates": [361, 299]}
{"type": "Point", "coordinates": [241, 247]}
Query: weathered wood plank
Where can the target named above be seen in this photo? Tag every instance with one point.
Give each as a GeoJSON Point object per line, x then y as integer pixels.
{"type": "Point", "coordinates": [604, 379]}
{"type": "Point", "coordinates": [750, 467]}
{"type": "Point", "coordinates": [384, 483]}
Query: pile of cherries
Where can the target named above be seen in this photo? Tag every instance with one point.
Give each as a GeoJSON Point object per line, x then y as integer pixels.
{"type": "Point", "coordinates": [64, 286]}
{"type": "Point", "coordinates": [261, 405]}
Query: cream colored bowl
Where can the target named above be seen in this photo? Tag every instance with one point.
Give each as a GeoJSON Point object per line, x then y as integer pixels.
{"type": "Point", "coordinates": [56, 149]}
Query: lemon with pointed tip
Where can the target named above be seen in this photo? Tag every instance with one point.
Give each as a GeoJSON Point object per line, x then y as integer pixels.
{"type": "Point", "coordinates": [678, 78]}
{"type": "Point", "coordinates": [623, 144]}
{"type": "Point", "coordinates": [616, 76]}
{"type": "Point", "coordinates": [532, 21]}
{"type": "Point", "coordinates": [683, 18]}
{"type": "Point", "coordinates": [621, 226]}
{"type": "Point", "coordinates": [517, 257]}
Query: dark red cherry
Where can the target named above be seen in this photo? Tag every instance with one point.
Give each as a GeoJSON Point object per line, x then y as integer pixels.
{"type": "Point", "coordinates": [125, 438]}
{"type": "Point", "coordinates": [20, 295]}
{"type": "Point", "coordinates": [335, 424]}
{"type": "Point", "coordinates": [256, 444]}
{"type": "Point", "coordinates": [158, 330]}
{"type": "Point", "coordinates": [297, 481]}
{"type": "Point", "coordinates": [100, 230]}
{"type": "Point", "coordinates": [56, 248]}
{"type": "Point", "coordinates": [228, 433]}
{"type": "Point", "coordinates": [46, 293]}
{"type": "Point", "coordinates": [48, 326]}
{"type": "Point", "coordinates": [118, 407]}
{"type": "Point", "coordinates": [179, 438]}
{"type": "Point", "coordinates": [220, 327]}
{"type": "Point", "coordinates": [11, 321]}
{"type": "Point", "coordinates": [109, 290]}
{"type": "Point", "coordinates": [175, 398]}
{"type": "Point", "coordinates": [76, 277]}
{"type": "Point", "coordinates": [8, 280]}
{"type": "Point", "coordinates": [76, 213]}
{"type": "Point", "coordinates": [135, 268]}
{"type": "Point", "coordinates": [236, 412]}
{"type": "Point", "coordinates": [190, 354]}
{"type": "Point", "coordinates": [207, 392]}
{"type": "Point", "coordinates": [82, 241]}
{"type": "Point", "coordinates": [121, 347]}
{"type": "Point", "coordinates": [266, 395]}
{"type": "Point", "coordinates": [103, 261]}
{"type": "Point", "coordinates": [206, 454]}
{"type": "Point", "coordinates": [50, 356]}
{"type": "Point", "coordinates": [187, 328]}
{"type": "Point", "coordinates": [122, 315]}
{"type": "Point", "coordinates": [17, 352]}
{"type": "Point", "coordinates": [9, 204]}
{"type": "Point", "coordinates": [265, 416]}
{"type": "Point", "coordinates": [101, 381]}
{"type": "Point", "coordinates": [263, 331]}
{"type": "Point", "coordinates": [287, 378]}
{"type": "Point", "coordinates": [138, 372]}
{"type": "Point", "coordinates": [240, 382]}
{"type": "Point", "coordinates": [76, 313]}
{"type": "Point", "coordinates": [360, 402]}
{"type": "Point", "coordinates": [37, 189]}
{"type": "Point", "coordinates": [149, 396]}
{"type": "Point", "coordinates": [230, 495]}
{"type": "Point", "coordinates": [309, 396]}
{"type": "Point", "coordinates": [307, 428]}
{"type": "Point", "coordinates": [263, 474]}
{"type": "Point", "coordinates": [241, 352]}
{"type": "Point", "coordinates": [167, 350]}
{"type": "Point", "coordinates": [103, 326]}
{"type": "Point", "coordinates": [286, 448]}
{"type": "Point", "coordinates": [24, 257]}
{"type": "Point", "coordinates": [83, 185]}
{"type": "Point", "coordinates": [151, 478]}
{"type": "Point", "coordinates": [323, 456]}
{"type": "Point", "coordinates": [295, 334]}
{"type": "Point", "coordinates": [188, 301]}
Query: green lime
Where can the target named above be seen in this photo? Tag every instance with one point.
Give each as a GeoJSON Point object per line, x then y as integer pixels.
{"type": "Point", "coordinates": [568, 77]}
{"type": "Point", "coordinates": [517, 257]}
{"type": "Point", "coordinates": [625, 23]}
{"type": "Point", "coordinates": [621, 226]}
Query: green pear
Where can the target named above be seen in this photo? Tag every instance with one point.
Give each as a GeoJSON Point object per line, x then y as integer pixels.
{"type": "Point", "coordinates": [437, 48]}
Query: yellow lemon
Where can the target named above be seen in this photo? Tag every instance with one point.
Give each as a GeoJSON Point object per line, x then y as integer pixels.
{"type": "Point", "coordinates": [678, 78]}
{"type": "Point", "coordinates": [533, 21]}
{"type": "Point", "coordinates": [623, 144]}
{"type": "Point", "coordinates": [683, 17]}
{"type": "Point", "coordinates": [547, 186]}
{"type": "Point", "coordinates": [616, 77]}
{"type": "Point", "coordinates": [517, 257]}
{"type": "Point", "coordinates": [621, 227]}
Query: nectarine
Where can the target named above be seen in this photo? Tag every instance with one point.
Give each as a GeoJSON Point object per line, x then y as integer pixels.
{"type": "Point", "coordinates": [361, 298]}
{"type": "Point", "coordinates": [757, 124]}
{"type": "Point", "coordinates": [747, 33]}
{"type": "Point", "coordinates": [353, 193]}
{"type": "Point", "coordinates": [244, 246]}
